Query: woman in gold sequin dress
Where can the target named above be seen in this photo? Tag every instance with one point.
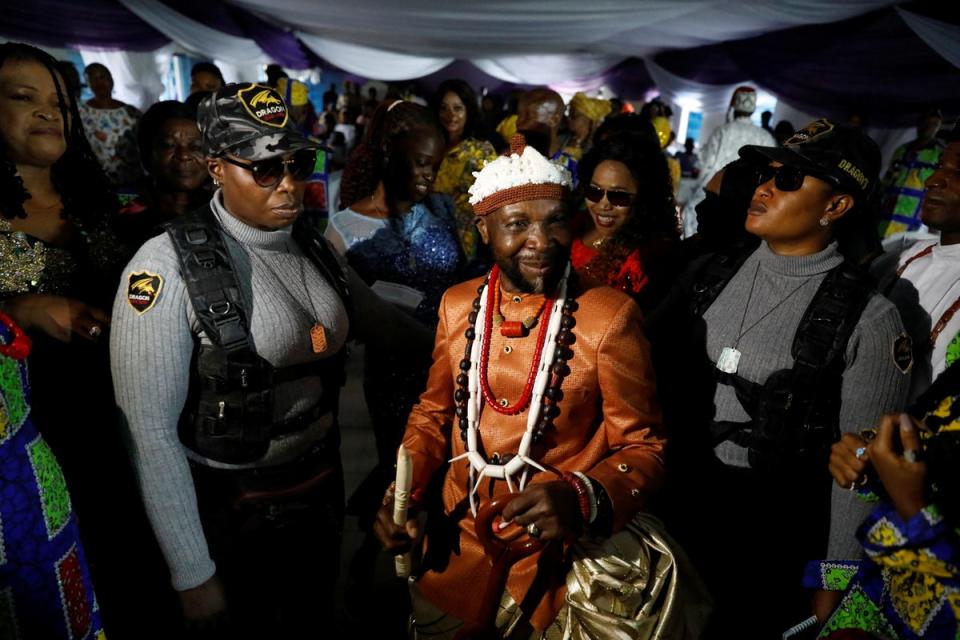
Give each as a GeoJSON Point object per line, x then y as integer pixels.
{"type": "Point", "coordinates": [59, 267]}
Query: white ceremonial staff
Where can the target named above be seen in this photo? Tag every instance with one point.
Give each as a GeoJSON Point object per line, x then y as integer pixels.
{"type": "Point", "coordinates": [401, 499]}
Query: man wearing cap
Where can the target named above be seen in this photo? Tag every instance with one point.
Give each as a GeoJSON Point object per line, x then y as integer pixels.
{"type": "Point", "coordinates": [922, 277]}
{"type": "Point", "coordinates": [911, 164]}
{"type": "Point", "coordinates": [722, 147]}
{"type": "Point", "coordinates": [796, 348]}
{"type": "Point", "coordinates": [227, 352]}
{"type": "Point", "coordinates": [541, 388]}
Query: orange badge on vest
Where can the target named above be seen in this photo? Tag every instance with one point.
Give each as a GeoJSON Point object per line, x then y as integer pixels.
{"type": "Point", "coordinates": [143, 290]}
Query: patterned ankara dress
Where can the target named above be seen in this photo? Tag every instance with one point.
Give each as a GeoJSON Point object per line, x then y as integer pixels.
{"type": "Point", "coordinates": [454, 178]}
{"type": "Point", "coordinates": [909, 584]}
{"type": "Point", "coordinates": [45, 589]}
{"type": "Point", "coordinates": [903, 186]}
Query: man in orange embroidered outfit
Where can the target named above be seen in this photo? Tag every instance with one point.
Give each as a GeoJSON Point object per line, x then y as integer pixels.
{"type": "Point", "coordinates": [541, 386]}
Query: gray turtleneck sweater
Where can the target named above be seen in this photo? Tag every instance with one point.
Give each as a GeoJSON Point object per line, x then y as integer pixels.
{"type": "Point", "coordinates": [151, 354]}
{"type": "Point", "coordinates": [872, 383]}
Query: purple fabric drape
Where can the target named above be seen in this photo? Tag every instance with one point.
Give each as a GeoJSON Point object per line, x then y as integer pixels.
{"type": "Point", "coordinates": [281, 45]}
{"type": "Point", "coordinates": [629, 79]}
{"type": "Point", "coordinates": [874, 65]}
{"type": "Point", "coordinates": [68, 23]}
{"type": "Point", "coordinates": [278, 43]}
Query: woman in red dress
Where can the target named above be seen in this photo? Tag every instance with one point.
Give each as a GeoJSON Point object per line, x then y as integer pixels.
{"type": "Point", "coordinates": [630, 236]}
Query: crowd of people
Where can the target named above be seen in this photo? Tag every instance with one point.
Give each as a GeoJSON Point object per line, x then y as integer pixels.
{"type": "Point", "coordinates": [605, 428]}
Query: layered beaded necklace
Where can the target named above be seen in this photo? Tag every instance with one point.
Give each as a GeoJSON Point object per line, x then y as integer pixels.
{"type": "Point", "coordinates": [541, 393]}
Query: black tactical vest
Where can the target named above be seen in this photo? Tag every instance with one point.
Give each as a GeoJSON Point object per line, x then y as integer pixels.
{"type": "Point", "coordinates": [228, 416]}
{"type": "Point", "coordinates": [795, 413]}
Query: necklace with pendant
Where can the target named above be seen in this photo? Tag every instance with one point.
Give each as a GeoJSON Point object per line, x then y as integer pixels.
{"type": "Point", "coordinates": [318, 334]}
{"type": "Point", "coordinates": [514, 328]}
{"type": "Point", "coordinates": [542, 392]}
{"type": "Point", "coordinates": [729, 360]}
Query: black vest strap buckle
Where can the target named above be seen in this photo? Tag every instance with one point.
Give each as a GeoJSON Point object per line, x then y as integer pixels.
{"type": "Point", "coordinates": [205, 258]}
{"type": "Point", "coordinates": [196, 235]}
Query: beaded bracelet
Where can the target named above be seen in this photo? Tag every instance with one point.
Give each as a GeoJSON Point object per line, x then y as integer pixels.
{"type": "Point", "coordinates": [593, 496]}
{"type": "Point", "coordinates": [583, 495]}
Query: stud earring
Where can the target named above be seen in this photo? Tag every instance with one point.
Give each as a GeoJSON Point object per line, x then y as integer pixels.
{"type": "Point", "coordinates": [824, 221]}
{"type": "Point", "coordinates": [216, 183]}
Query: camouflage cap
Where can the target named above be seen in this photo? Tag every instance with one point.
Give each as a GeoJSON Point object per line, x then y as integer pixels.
{"type": "Point", "coordinates": [249, 121]}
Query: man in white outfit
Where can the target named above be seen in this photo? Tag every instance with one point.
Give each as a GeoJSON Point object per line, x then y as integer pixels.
{"type": "Point", "coordinates": [723, 146]}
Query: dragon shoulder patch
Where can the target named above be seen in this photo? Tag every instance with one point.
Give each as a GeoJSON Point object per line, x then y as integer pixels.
{"type": "Point", "coordinates": [143, 289]}
{"type": "Point", "coordinates": [903, 353]}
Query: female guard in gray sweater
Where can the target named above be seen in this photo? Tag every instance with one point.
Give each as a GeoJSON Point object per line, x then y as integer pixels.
{"type": "Point", "coordinates": [227, 354]}
{"type": "Point", "coordinates": [798, 349]}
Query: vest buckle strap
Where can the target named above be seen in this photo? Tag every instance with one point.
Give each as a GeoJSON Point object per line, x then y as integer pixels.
{"type": "Point", "coordinates": [206, 258]}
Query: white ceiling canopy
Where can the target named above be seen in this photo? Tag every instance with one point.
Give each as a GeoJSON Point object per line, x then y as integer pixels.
{"type": "Point", "coordinates": [483, 30]}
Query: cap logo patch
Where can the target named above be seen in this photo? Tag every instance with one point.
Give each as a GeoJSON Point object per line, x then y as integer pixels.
{"type": "Point", "coordinates": [264, 104]}
{"type": "Point", "coordinates": [854, 173]}
{"type": "Point", "coordinates": [143, 290]}
{"type": "Point", "coordinates": [813, 130]}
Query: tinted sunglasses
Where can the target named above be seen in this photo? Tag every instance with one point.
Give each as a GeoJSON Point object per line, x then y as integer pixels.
{"type": "Point", "coordinates": [268, 173]}
{"type": "Point", "coordinates": [787, 178]}
{"type": "Point", "coordinates": [615, 198]}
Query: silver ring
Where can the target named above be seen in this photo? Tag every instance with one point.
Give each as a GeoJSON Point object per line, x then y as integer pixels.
{"type": "Point", "coordinates": [95, 331]}
{"type": "Point", "coordinates": [861, 451]}
{"type": "Point", "coordinates": [911, 455]}
{"type": "Point", "coordinates": [533, 530]}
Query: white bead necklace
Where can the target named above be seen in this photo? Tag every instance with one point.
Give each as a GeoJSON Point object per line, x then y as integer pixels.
{"type": "Point", "coordinates": [481, 468]}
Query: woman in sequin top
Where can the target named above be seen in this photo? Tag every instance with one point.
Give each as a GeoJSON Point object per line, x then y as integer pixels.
{"type": "Point", "coordinates": [395, 232]}
{"type": "Point", "coordinates": [59, 264]}
{"type": "Point", "coordinates": [54, 202]}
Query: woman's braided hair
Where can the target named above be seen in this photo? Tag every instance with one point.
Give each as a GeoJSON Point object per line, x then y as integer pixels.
{"type": "Point", "coordinates": [84, 189]}
{"type": "Point", "coordinates": [367, 164]}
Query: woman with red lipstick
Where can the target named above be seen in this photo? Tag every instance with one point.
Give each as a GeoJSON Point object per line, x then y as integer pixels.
{"type": "Point", "coordinates": [770, 356]}
{"type": "Point", "coordinates": [631, 234]}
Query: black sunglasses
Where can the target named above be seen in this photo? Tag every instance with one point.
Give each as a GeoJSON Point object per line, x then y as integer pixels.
{"type": "Point", "coordinates": [268, 173]}
{"type": "Point", "coordinates": [615, 198]}
{"type": "Point", "coordinates": [786, 178]}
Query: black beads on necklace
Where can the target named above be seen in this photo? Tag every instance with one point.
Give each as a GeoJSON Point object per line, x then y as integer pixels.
{"type": "Point", "coordinates": [552, 395]}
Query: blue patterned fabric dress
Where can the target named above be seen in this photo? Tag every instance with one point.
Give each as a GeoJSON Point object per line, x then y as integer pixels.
{"type": "Point", "coordinates": [45, 588]}
{"type": "Point", "coordinates": [908, 586]}
{"type": "Point", "coordinates": [419, 250]}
